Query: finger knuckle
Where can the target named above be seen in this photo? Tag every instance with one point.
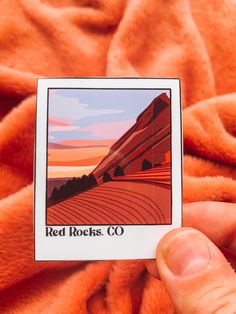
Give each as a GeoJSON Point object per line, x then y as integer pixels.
{"type": "Point", "coordinates": [220, 299]}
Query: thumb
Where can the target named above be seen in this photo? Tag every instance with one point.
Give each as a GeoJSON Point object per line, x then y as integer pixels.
{"type": "Point", "coordinates": [195, 273]}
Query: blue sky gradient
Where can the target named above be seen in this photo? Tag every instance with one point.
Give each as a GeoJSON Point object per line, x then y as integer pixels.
{"type": "Point", "coordinates": [83, 109]}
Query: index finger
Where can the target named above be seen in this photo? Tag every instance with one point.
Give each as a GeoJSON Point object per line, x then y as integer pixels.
{"type": "Point", "coordinates": [217, 220]}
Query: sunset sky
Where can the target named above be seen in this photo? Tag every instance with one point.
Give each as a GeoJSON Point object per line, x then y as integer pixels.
{"type": "Point", "coordinates": [88, 117]}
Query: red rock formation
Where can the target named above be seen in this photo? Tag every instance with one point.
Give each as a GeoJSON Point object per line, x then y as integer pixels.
{"type": "Point", "coordinates": [148, 138]}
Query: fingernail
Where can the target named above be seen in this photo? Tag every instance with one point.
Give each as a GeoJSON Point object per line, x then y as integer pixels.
{"type": "Point", "coordinates": [186, 253]}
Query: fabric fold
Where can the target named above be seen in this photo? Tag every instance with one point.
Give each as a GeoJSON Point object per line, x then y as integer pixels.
{"type": "Point", "coordinates": [191, 40]}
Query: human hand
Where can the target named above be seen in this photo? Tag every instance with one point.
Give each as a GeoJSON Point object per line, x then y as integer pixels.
{"type": "Point", "coordinates": [196, 274]}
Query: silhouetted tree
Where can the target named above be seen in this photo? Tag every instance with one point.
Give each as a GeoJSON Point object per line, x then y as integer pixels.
{"type": "Point", "coordinates": [92, 180]}
{"type": "Point", "coordinates": [146, 164]}
{"type": "Point", "coordinates": [73, 186]}
{"type": "Point", "coordinates": [84, 182]}
{"type": "Point", "coordinates": [55, 194]}
{"type": "Point", "coordinates": [78, 181]}
{"type": "Point", "coordinates": [106, 177]}
{"type": "Point", "coordinates": [118, 171]}
{"type": "Point", "coordinates": [84, 177]}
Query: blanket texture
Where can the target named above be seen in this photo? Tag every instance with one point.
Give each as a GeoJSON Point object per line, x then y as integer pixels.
{"type": "Point", "coordinates": [192, 40]}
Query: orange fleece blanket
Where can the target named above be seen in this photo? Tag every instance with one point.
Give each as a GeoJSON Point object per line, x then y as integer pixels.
{"type": "Point", "coordinates": [193, 40]}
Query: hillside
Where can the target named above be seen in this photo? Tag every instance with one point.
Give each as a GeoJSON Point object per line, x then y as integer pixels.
{"type": "Point", "coordinates": [115, 203]}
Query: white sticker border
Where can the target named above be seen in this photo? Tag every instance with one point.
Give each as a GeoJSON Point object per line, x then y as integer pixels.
{"type": "Point", "coordinates": [138, 241]}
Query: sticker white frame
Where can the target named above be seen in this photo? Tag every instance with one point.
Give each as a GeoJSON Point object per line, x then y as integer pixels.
{"type": "Point", "coordinates": [138, 241]}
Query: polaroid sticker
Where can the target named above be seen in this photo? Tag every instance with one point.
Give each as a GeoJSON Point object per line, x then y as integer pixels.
{"type": "Point", "coordinates": [108, 167]}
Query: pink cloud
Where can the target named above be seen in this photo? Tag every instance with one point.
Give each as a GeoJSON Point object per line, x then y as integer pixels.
{"type": "Point", "coordinates": [63, 128]}
{"type": "Point", "coordinates": [53, 120]}
{"type": "Point", "coordinates": [113, 130]}
{"type": "Point", "coordinates": [57, 122]}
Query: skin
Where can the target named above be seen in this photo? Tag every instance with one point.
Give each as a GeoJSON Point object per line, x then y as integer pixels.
{"type": "Point", "coordinates": [197, 262]}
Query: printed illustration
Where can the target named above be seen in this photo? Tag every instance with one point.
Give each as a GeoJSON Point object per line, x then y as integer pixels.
{"type": "Point", "coordinates": [109, 157]}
